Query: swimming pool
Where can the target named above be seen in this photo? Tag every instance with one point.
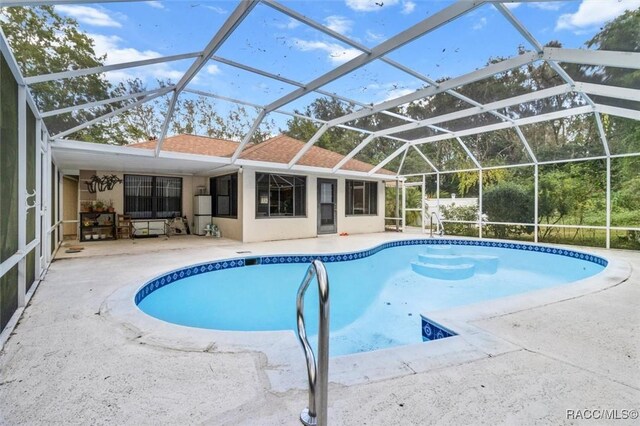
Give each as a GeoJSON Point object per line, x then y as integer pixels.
{"type": "Point", "coordinates": [377, 295]}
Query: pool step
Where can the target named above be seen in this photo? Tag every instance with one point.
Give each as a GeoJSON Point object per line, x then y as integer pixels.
{"type": "Point", "coordinates": [483, 264]}
{"type": "Point", "coordinates": [439, 249]}
{"type": "Point", "coordinates": [444, 272]}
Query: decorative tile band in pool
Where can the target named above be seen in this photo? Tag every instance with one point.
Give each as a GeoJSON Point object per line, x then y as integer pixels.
{"type": "Point", "coordinates": [217, 265]}
{"type": "Point", "coordinates": [434, 331]}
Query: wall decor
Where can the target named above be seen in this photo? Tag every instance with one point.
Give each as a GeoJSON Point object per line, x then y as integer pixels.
{"type": "Point", "coordinates": [104, 183]}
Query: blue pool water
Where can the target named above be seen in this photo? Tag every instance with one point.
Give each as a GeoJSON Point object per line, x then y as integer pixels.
{"type": "Point", "coordinates": [376, 301]}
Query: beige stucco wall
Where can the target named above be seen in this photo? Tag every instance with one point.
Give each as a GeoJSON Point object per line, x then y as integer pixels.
{"type": "Point", "coordinates": [359, 224]}
{"type": "Point", "coordinates": [231, 228]}
{"type": "Point", "coordinates": [280, 228]}
{"type": "Point", "coordinates": [268, 229]}
{"type": "Point", "coordinates": [117, 193]}
{"type": "Point", "coordinates": [247, 227]}
{"type": "Point", "coordinates": [70, 206]}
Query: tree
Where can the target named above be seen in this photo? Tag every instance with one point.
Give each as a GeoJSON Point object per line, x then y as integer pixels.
{"type": "Point", "coordinates": [44, 42]}
{"type": "Point", "coordinates": [203, 116]}
{"type": "Point", "coordinates": [142, 122]}
{"type": "Point", "coordinates": [335, 139]}
{"type": "Point", "coordinates": [508, 202]}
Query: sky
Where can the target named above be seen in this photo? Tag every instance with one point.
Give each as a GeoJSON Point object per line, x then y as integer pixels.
{"type": "Point", "coordinates": [271, 41]}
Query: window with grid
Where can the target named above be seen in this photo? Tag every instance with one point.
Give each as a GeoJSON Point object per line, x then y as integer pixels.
{"type": "Point", "coordinates": [224, 195]}
{"type": "Point", "coordinates": [361, 198]}
{"type": "Point", "coordinates": [152, 197]}
{"type": "Point", "coordinates": [281, 195]}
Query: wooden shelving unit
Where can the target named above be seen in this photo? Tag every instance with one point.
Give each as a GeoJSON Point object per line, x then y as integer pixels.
{"type": "Point", "coordinates": [96, 226]}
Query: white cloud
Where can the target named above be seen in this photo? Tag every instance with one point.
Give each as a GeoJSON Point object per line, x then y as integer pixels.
{"type": "Point", "coordinates": [155, 4]}
{"type": "Point", "coordinates": [111, 46]}
{"type": "Point", "coordinates": [408, 7]}
{"type": "Point", "coordinates": [381, 92]}
{"type": "Point", "coordinates": [591, 13]}
{"type": "Point", "coordinates": [396, 93]}
{"type": "Point", "coordinates": [339, 24]}
{"type": "Point", "coordinates": [480, 24]}
{"type": "Point", "coordinates": [289, 25]}
{"type": "Point", "coordinates": [512, 5]}
{"type": "Point", "coordinates": [370, 5]}
{"type": "Point", "coordinates": [89, 15]}
{"type": "Point", "coordinates": [371, 36]}
{"type": "Point", "coordinates": [116, 53]}
{"type": "Point", "coordinates": [217, 9]}
{"type": "Point", "coordinates": [213, 69]}
{"type": "Point", "coordinates": [337, 54]}
{"type": "Point", "coordinates": [547, 5]}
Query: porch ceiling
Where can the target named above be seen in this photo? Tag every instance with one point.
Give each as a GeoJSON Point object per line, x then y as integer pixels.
{"type": "Point", "coordinates": [73, 155]}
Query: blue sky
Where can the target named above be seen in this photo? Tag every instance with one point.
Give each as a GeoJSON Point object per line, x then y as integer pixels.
{"type": "Point", "coordinates": [274, 42]}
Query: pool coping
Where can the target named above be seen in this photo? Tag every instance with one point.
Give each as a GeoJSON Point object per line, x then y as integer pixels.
{"type": "Point", "coordinates": [284, 365]}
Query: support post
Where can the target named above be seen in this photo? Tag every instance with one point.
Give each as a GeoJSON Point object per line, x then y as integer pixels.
{"type": "Point", "coordinates": [480, 178]}
{"type": "Point", "coordinates": [22, 193]}
{"type": "Point", "coordinates": [46, 203]}
{"type": "Point", "coordinates": [404, 205]}
{"type": "Point", "coordinates": [535, 202]}
{"type": "Point", "coordinates": [37, 210]}
{"type": "Point", "coordinates": [608, 202]}
{"type": "Point", "coordinates": [438, 194]}
{"type": "Point", "coordinates": [422, 202]}
{"type": "Point", "coordinates": [397, 205]}
{"type": "Point", "coordinates": [56, 207]}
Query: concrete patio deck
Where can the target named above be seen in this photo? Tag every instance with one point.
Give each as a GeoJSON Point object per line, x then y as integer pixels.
{"type": "Point", "coordinates": [71, 360]}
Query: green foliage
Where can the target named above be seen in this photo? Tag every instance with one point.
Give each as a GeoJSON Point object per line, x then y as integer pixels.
{"type": "Point", "coordinates": [336, 139]}
{"type": "Point", "coordinates": [571, 193]}
{"type": "Point", "coordinates": [621, 34]}
{"type": "Point", "coordinates": [508, 202]}
{"type": "Point", "coordinates": [454, 212]}
{"type": "Point", "coordinates": [466, 213]}
{"type": "Point", "coordinates": [44, 42]}
{"type": "Point", "coordinates": [201, 116]}
{"type": "Point", "coordinates": [413, 200]}
{"type": "Point", "coordinates": [470, 180]}
{"type": "Point", "coordinates": [342, 140]}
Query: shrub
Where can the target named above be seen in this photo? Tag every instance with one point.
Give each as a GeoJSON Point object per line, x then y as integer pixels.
{"type": "Point", "coordinates": [508, 202]}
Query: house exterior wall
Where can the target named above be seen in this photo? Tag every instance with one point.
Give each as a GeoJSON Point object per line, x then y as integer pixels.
{"type": "Point", "coordinates": [117, 193]}
{"type": "Point", "coordinates": [281, 228]}
{"type": "Point", "coordinates": [229, 227]}
{"type": "Point", "coordinates": [70, 207]}
{"type": "Point", "coordinates": [247, 227]}
{"type": "Point", "coordinates": [359, 224]}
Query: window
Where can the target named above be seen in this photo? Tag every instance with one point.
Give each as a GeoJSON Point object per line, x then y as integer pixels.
{"type": "Point", "coordinates": [280, 195]}
{"type": "Point", "coordinates": [362, 197]}
{"type": "Point", "coordinates": [152, 197]}
{"type": "Point", "coordinates": [224, 195]}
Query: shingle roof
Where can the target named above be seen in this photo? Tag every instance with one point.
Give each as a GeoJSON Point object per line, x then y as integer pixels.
{"type": "Point", "coordinates": [282, 148]}
{"type": "Point", "coordinates": [279, 149]}
{"type": "Point", "coordinates": [192, 144]}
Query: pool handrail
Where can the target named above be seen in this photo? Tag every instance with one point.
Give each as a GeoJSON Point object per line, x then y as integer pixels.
{"type": "Point", "coordinates": [318, 374]}
{"type": "Point", "coordinates": [438, 223]}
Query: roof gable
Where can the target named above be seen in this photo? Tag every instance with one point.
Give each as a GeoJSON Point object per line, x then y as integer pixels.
{"type": "Point", "coordinates": [278, 149]}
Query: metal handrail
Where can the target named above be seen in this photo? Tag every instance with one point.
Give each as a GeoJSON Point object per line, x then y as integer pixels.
{"type": "Point", "coordinates": [439, 223]}
{"type": "Point", "coordinates": [318, 374]}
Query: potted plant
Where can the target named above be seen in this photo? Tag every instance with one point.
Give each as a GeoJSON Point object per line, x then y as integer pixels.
{"type": "Point", "coordinates": [110, 207]}
{"type": "Point", "coordinates": [99, 206]}
{"type": "Point", "coordinates": [87, 206]}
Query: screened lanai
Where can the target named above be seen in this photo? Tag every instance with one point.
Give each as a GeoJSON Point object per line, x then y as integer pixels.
{"type": "Point", "coordinates": [537, 125]}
